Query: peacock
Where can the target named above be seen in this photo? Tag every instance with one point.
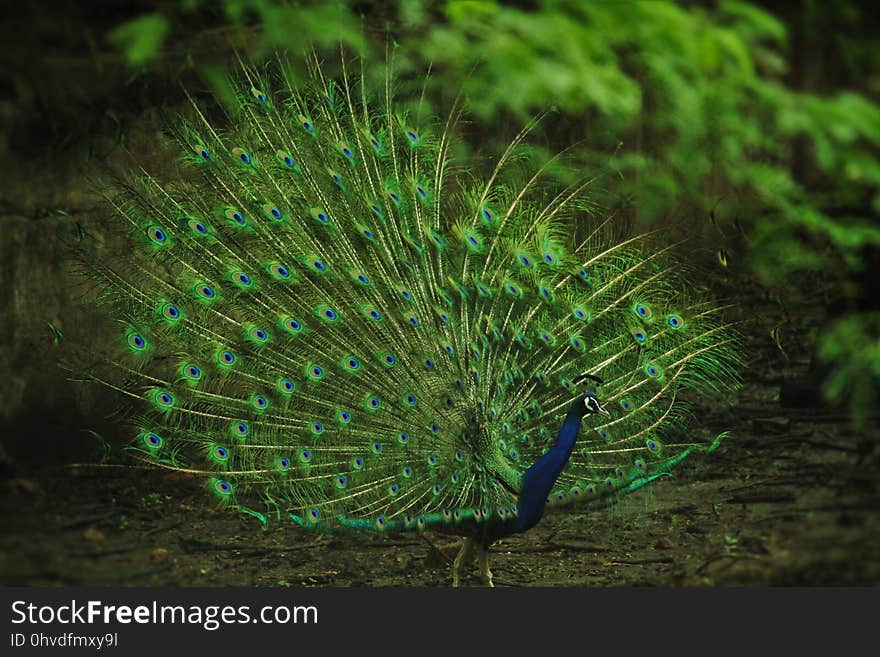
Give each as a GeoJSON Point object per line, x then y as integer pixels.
{"type": "Point", "coordinates": [330, 318]}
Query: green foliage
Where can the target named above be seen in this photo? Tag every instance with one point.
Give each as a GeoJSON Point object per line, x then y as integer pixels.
{"type": "Point", "coordinates": [696, 111]}
{"type": "Point", "coordinates": [699, 101]}
{"type": "Point", "coordinates": [141, 38]}
{"type": "Point", "coordinates": [852, 344]}
{"type": "Point", "coordinates": [280, 25]}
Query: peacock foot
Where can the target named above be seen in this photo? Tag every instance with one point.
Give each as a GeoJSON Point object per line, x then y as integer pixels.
{"type": "Point", "coordinates": [466, 556]}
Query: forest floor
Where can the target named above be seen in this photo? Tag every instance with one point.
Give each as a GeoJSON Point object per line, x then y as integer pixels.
{"type": "Point", "coordinates": [791, 498]}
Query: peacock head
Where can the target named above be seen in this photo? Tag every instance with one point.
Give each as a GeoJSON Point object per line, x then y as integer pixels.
{"type": "Point", "coordinates": [591, 405]}
{"type": "Point", "coordinates": [588, 402]}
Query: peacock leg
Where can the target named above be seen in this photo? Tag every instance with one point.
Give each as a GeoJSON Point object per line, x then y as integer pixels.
{"type": "Point", "coordinates": [465, 555]}
{"type": "Point", "coordinates": [483, 562]}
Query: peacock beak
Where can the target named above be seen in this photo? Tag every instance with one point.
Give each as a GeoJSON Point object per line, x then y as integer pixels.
{"type": "Point", "coordinates": [602, 411]}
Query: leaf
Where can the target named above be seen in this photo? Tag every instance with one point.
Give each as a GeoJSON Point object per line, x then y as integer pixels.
{"type": "Point", "coordinates": [140, 39]}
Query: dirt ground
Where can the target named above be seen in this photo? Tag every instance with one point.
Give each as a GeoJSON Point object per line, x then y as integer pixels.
{"type": "Point", "coordinates": [791, 498]}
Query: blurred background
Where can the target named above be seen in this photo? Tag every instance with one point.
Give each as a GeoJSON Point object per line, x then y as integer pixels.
{"type": "Point", "coordinates": [752, 127]}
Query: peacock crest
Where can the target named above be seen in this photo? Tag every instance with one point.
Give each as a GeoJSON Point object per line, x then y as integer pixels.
{"type": "Point", "coordinates": [328, 321]}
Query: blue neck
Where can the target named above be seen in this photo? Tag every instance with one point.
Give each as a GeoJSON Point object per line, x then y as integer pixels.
{"type": "Point", "coordinates": [541, 476]}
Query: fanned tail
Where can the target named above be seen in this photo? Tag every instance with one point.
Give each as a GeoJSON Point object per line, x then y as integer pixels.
{"type": "Point", "coordinates": [327, 320]}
